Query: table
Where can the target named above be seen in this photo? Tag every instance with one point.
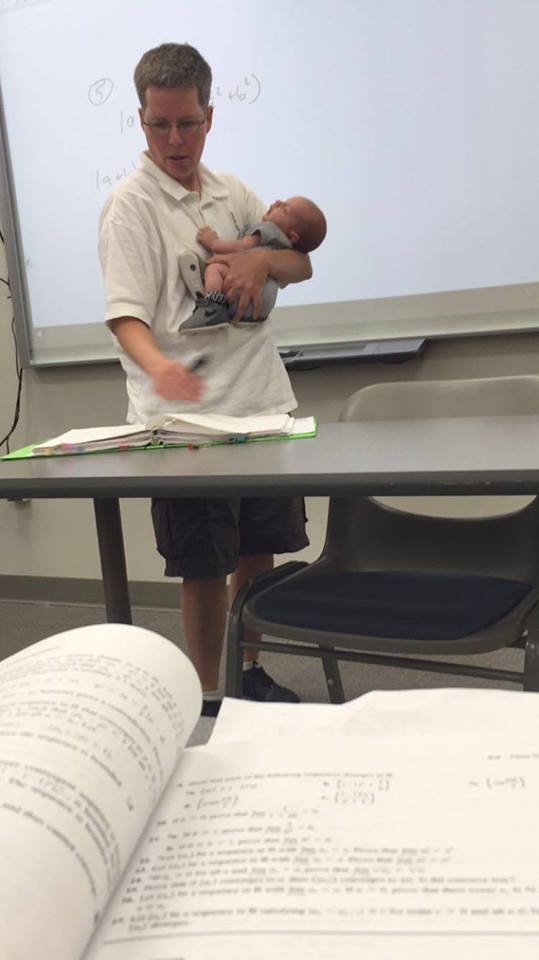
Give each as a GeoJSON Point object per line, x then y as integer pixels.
{"type": "Point", "coordinates": [465, 455]}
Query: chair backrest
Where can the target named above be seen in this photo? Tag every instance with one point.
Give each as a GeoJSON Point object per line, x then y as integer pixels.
{"type": "Point", "coordinates": [427, 399]}
{"type": "Point", "coordinates": [379, 534]}
{"type": "Point", "coordinates": [444, 398]}
{"type": "Point", "coordinates": [365, 534]}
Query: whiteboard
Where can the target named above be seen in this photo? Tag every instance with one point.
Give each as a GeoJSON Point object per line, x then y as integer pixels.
{"type": "Point", "coordinates": [412, 123]}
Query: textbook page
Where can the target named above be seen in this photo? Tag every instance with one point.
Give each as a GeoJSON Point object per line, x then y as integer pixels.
{"type": "Point", "coordinates": [338, 847]}
{"type": "Point", "coordinates": [443, 710]}
{"type": "Point", "coordinates": [91, 724]}
{"type": "Point", "coordinates": [255, 720]}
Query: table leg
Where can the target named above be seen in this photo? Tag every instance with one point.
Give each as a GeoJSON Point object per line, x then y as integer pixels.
{"type": "Point", "coordinates": [111, 551]}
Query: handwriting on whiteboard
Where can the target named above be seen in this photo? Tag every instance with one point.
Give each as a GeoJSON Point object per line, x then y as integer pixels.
{"type": "Point", "coordinates": [105, 181]}
{"type": "Point", "coordinates": [100, 91]}
{"type": "Point", "coordinates": [247, 91]}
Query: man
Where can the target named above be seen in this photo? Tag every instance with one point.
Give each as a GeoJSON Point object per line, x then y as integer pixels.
{"type": "Point", "coordinates": [149, 221]}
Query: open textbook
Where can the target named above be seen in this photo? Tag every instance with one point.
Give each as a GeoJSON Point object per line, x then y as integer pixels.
{"type": "Point", "coordinates": [172, 430]}
{"type": "Point", "coordinates": [118, 844]}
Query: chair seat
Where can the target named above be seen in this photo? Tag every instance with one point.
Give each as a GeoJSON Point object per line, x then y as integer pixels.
{"type": "Point", "coordinates": [424, 606]}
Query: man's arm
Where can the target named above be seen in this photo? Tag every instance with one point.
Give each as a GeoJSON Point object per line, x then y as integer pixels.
{"type": "Point", "coordinates": [247, 275]}
{"type": "Point", "coordinates": [289, 266]}
{"type": "Point", "coordinates": [170, 379]}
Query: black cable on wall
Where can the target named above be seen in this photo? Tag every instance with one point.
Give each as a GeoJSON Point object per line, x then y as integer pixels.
{"type": "Point", "coordinates": [19, 370]}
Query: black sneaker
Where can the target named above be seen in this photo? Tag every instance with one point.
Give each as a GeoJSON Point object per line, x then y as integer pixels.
{"type": "Point", "coordinates": [207, 316]}
{"type": "Point", "coordinates": [210, 708]}
{"type": "Point", "coordinates": [257, 685]}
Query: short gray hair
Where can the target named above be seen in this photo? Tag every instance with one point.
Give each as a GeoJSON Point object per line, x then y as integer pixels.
{"type": "Point", "coordinates": [174, 65]}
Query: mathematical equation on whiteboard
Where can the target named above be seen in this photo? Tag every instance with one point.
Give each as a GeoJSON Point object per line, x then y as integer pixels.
{"type": "Point", "coordinates": [104, 181]}
{"type": "Point", "coordinates": [246, 91]}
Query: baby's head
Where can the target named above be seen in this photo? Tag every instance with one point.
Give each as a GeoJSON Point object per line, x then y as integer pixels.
{"type": "Point", "coordinates": [301, 220]}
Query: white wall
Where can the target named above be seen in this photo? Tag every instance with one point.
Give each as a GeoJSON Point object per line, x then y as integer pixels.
{"type": "Point", "coordinates": [57, 538]}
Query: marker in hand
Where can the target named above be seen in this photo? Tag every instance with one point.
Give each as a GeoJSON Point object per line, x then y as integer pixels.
{"type": "Point", "coordinates": [196, 362]}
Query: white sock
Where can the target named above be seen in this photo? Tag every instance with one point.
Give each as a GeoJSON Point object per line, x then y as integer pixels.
{"type": "Point", "coordinates": [217, 297]}
{"type": "Point", "coordinates": [211, 695]}
{"type": "Point", "coordinates": [249, 664]}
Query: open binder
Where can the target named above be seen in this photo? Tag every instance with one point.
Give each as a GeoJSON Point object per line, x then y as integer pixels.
{"type": "Point", "coordinates": [171, 430]}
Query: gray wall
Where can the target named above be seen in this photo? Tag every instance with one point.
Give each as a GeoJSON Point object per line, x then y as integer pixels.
{"type": "Point", "coordinates": [57, 539]}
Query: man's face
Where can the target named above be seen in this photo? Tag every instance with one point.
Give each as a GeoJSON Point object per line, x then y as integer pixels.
{"type": "Point", "coordinates": [176, 151]}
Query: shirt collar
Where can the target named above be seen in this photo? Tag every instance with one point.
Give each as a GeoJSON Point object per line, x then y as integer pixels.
{"type": "Point", "coordinates": [212, 185]}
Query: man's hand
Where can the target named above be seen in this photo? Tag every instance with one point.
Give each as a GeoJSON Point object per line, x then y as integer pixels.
{"type": "Point", "coordinates": [172, 381]}
{"type": "Point", "coordinates": [245, 279]}
{"type": "Point", "coordinates": [206, 237]}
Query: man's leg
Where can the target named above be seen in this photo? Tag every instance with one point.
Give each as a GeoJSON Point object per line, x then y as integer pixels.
{"type": "Point", "coordinates": [249, 567]}
{"type": "Point", "coordinates": [268, 525]}
{"type": "Point", "coordinates": [198, 539]}
{"type": "Point", "coordinates": [257, 684]}
{"type": "Point", "coordinates": [204, 610]}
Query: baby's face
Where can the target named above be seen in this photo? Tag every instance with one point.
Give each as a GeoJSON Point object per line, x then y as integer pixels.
{"type": "Point", "coordinates": [285, 214]}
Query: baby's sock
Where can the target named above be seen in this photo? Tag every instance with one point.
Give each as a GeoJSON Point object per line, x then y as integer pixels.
{"type": "Point", "coordinates": [217, 297]}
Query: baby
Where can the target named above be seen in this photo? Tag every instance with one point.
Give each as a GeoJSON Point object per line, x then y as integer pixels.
{"type": "Point", "coordinates": [296, 223]}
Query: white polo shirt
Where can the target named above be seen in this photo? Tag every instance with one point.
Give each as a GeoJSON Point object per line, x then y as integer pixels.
{"type": "Point", "coordinates": [146, 223]}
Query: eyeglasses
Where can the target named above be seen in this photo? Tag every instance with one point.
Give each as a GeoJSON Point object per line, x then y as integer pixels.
{"type": "Point", "coordinates": [185, 128]}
